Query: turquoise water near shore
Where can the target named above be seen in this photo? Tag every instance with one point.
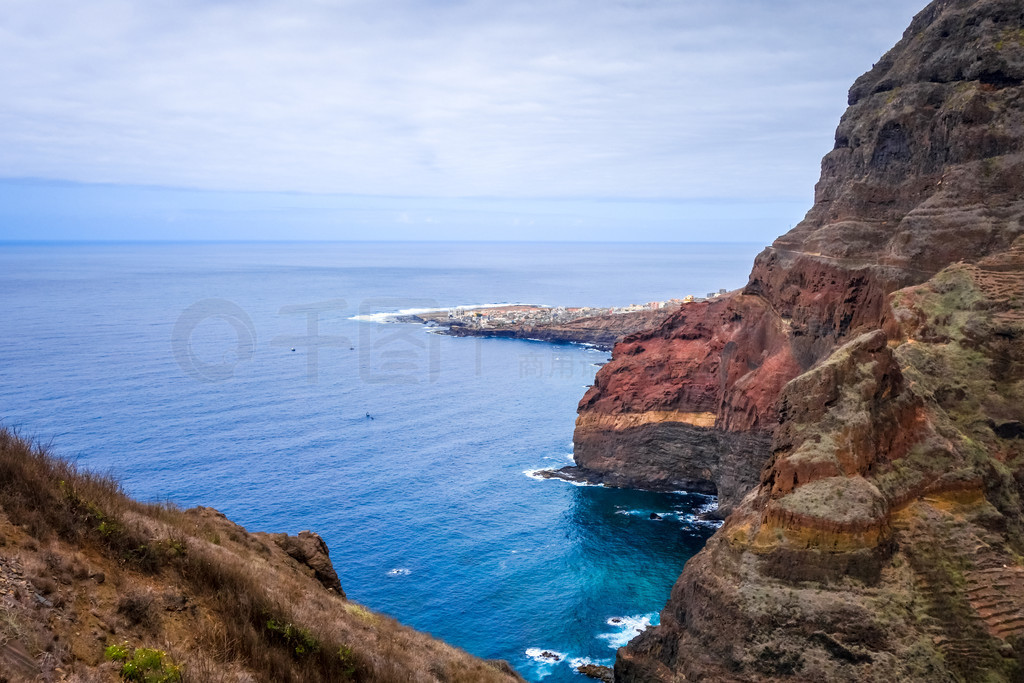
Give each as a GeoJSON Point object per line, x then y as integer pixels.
{"type": "Point", "coordinates": [234, 376]}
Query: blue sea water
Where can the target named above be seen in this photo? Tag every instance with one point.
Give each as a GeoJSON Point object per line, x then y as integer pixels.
{"type": "Point", "coordinates": [242, 376]}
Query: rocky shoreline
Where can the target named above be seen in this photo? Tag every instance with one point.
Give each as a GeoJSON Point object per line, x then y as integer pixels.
{"type": "Point", "coordinates": [601, 332]}
{"type": "Point", "coordinates": [858, 404]}
{"type": "Point", "coordinates": [582, 476]}
{"type": "Point", "coordinates": [597, 327]}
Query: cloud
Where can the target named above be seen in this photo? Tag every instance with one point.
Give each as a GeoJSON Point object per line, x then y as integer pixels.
{"type": "Point", "coordinates": [560, 98]}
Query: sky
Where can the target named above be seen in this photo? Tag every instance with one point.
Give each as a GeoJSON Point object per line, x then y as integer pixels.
{"type": "Point", "coordinates": [660, 120]}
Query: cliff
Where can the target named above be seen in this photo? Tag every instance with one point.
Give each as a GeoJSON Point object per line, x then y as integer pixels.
{"type": "Point", "coordinates": [859, 405]}
{"type": "Point", "coordinates": [926, 171]}
{"type": "Point", "coordinates": [885, 539]}
{"type": "Point", "coordinates": [97, 587]}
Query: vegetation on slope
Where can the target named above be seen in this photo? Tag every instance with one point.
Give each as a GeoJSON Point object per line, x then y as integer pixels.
{"type": "Point", "coordinates": [95, 586]}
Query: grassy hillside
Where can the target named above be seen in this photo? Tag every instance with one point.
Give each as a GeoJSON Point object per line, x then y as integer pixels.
{"type": "Point", "coordinates": [95, 586]}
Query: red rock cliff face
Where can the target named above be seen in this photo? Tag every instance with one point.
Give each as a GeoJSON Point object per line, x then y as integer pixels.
{"type": "Point", "coordinates": [885, 540]}
{"type": "Point", "coordinates": [859, 405]}
{"type": "Point", "coordinates": [927, 171]}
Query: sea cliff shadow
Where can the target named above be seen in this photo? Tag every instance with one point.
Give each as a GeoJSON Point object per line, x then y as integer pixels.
{"type": "Point", "coordinates": [638, 539]}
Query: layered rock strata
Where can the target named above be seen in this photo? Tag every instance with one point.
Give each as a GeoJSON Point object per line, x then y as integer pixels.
{"type": "Point", "coordinates": [869, 383]}
{"type": "Point", "coordinates": [885, 541]}
{"type": "Point", "coordinates": [926, 171]}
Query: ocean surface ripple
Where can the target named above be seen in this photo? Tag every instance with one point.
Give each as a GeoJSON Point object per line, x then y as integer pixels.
{"type": "Point", "coordinates": [242, 377]}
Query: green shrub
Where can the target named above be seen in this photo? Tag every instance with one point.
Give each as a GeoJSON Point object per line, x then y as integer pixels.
{"type": "Point", "coordinates": [347, 659]}
{"type": "Point", "coordinates": [300, 640]}
{"type": "Point", "coordinates": [117, 653]}
{"type": "Point", "coordinates": [143, 665]}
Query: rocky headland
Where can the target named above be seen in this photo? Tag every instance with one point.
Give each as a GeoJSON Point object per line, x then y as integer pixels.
{"type": "Point", "coordinates": [859, 405]}
{"type": "Point", "coordinates": [600, 331]}
{"type": "Point", "coordinates": [597, 327]}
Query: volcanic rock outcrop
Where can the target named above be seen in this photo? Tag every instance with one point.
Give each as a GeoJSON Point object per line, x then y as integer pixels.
{"type": "Point", "coordinates": [311, 550]}
{"type": "Point", "coordinates": [926, 171]}
{"type": "Point", "coordinates": [885, 539]}
{"type": "Point", "coordinates": [859, 405]}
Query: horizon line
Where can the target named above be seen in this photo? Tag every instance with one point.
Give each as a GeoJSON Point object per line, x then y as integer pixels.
{"type": "Point", "coordinates": [357, 241]}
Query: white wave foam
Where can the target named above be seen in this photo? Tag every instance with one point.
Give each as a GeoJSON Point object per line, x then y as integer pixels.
{"type": "Point", "coordinates": [543, 666]}
{"type": "Point", "coordinates": [707, 496]}
{"type": "Point", "coordinates": [627, 628]}
{"type": "Point", "coordinates": [696, 517]}
{"type": "Point", "coordinates": [709, 523]}
{"type": "Point", "coordinates": [544, 655]}
{"type": "Point", "coordinates": [535, 474]}
{"type": "Point", "coordinates": [710, 506]}
{"type": "Point", "coordinates": [577, 662]}
{"type": "Point", "coordinates": [646, 514]}
{"type": "Point", "coordinates": [583, 483]}
{"type": "Point", "coordinates": [388, 316]}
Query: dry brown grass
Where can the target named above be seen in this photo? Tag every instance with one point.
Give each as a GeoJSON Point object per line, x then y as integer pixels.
{"type": "Point", "coordinates": [138, 607]}
{"type": "Point", "coordinates": [223, 603]}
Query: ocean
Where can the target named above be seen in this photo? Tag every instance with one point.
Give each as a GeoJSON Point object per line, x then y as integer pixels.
{"type": "Point", "coordinates": [255, 378]}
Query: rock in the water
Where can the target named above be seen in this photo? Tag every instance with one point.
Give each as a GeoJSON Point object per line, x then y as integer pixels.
{"type": "Point", "coordinates": [601, 673]}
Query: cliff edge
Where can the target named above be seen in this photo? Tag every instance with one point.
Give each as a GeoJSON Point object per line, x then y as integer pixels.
{"type": "Point", "coordinates": [858, 406]}
{"type": "Point", "coordinates": [926, 171]}
{"type": "Point", "coordinates": [95, 586]}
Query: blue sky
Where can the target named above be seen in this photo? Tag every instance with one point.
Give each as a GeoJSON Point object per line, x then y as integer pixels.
{"type": "Point", "coordinates": [475, 119]}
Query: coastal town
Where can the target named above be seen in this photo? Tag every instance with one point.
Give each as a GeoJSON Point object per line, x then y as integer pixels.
{"type": "Point", "coordinates": [595, 326]}
{"type": "Point", "coordinates": [520, 315]}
